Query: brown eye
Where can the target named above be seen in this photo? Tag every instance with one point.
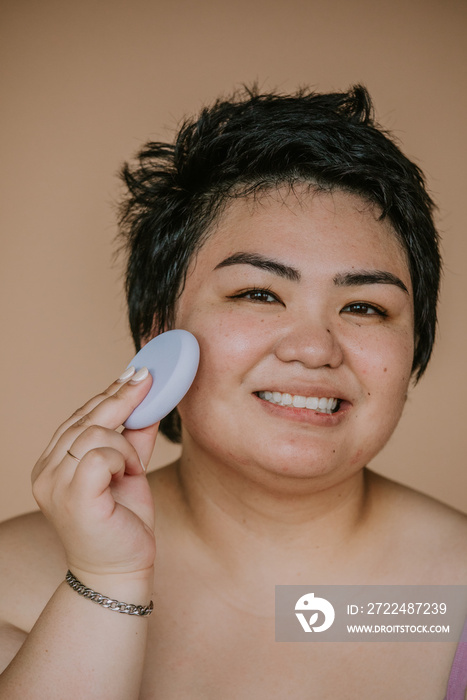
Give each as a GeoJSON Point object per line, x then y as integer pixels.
{"type": "Point", "coordinates": [262, 296]}
{"type": "Point", "coordinates": [362, 309]}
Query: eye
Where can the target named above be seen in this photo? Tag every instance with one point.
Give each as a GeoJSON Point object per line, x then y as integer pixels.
{"type": "Point", "coordinates": [360, 308]}
{"type": "Point", "coordinates": [262, 296]}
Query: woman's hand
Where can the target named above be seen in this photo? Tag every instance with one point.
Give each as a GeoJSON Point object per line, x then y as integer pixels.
{"type": "Point", "coordinates": [90, 483]}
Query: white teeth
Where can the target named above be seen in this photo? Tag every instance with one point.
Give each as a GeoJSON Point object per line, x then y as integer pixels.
{"type": "Point", "coordinates": [299, 401]}
{"type": "Point", "coordinates": [312, 402]}
{"type": "Point", "coordinates": [315, 403]}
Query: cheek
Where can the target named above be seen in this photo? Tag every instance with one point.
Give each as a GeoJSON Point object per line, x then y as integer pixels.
{"type": "Point", "coordinates": [227, 352]}
{"type": "Point", "coordinates": [385, 366]}
{"type": "Point", "coordinates": [397, 360]}
{"type": "Point", "coordinates": [230, 343]}
{"type": "Point", "coordinates": [389, 353]}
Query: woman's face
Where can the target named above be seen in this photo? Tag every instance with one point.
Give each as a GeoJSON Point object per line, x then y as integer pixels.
{"type": "Point", "coordinates": [297, 301]}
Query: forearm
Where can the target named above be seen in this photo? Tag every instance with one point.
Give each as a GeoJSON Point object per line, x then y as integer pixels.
{"type": "Point", "coordinates": [80, 649]}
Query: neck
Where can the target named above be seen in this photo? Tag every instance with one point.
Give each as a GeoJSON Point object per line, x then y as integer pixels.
{"type": "Point", "coordinates": [272, 521]}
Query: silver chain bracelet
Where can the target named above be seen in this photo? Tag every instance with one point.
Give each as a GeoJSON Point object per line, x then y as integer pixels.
{"type": "Point", "coordinates": [115, 605]}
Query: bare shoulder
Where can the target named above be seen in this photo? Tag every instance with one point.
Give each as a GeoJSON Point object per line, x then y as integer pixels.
{"type": "Point", "coordinates": [432, 534]}
{"type": "Point", "coordinates": [32, 562]}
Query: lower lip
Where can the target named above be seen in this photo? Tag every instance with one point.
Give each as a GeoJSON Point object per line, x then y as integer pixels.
{"type": "Point", "coordinates": [305, 415]}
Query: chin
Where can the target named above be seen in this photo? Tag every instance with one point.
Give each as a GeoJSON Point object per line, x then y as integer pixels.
{"type": "Point", "coordinates": [302, 467]}
{"type": "Point", "coordinates": [293, 467]}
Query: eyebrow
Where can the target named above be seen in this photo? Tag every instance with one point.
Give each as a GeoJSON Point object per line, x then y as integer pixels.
{"type": "Point", "coordinates": [361, 277]}
{"type": "Point", "coordinates": [257, 260]}
{"type": "Point", "coordinates": [345, 279]}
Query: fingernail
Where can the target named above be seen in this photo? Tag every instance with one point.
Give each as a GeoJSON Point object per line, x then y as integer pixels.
{"type": "Point", "coordinates": [140, 375]}
{"type": "Point", "coordinates": [129, 372]}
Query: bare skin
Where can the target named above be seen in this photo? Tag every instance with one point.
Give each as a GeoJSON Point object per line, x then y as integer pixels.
{"type": "Point", "coordinates": [190, 655]}
{"type": "Point", "coordinates": [291, 502]}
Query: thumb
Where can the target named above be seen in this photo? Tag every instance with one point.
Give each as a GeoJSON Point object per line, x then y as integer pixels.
{"type": "Point", "coordinates": [143, 440]}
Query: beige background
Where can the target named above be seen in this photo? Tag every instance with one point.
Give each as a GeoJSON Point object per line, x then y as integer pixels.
{"type": "Point", "coordinates": [85, 83]}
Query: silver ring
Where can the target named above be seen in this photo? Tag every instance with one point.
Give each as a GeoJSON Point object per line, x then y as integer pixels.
{"type": "Point", "coordinates": [77, 458]}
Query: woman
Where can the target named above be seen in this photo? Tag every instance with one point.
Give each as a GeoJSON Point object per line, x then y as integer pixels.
{"type": "Point", "coordinates": [296, 242]}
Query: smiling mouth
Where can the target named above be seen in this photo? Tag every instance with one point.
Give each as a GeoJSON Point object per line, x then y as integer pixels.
{"type": "Point", "coordinates": [319, 404]}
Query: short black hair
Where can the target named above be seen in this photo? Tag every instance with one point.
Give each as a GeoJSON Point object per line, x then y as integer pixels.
{"type": "Point", "coordinates": [251, 142]}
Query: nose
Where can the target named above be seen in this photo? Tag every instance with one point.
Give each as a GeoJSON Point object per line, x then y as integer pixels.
{"type": "Point", "coordinates": [313, 344]}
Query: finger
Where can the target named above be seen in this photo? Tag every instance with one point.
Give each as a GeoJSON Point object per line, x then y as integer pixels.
{"type": "Point", "coordinates": [143, 440]}
{"type": "Point", "coordinates": [86, 408]}
{"type": "Point", "coordinates": [110, 412]}
{"type": "Point", "coordinates": [97, 437]}
{"type": "Point", "coordinates": [93, 475]}
{"type": "Point", "coordinates": [61, 469]}
{"type": "Point", "coordinates": [116, 408]}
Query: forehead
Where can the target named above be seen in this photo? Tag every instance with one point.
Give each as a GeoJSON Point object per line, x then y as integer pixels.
{"type": "Point", "coordinates": [308, 228]}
